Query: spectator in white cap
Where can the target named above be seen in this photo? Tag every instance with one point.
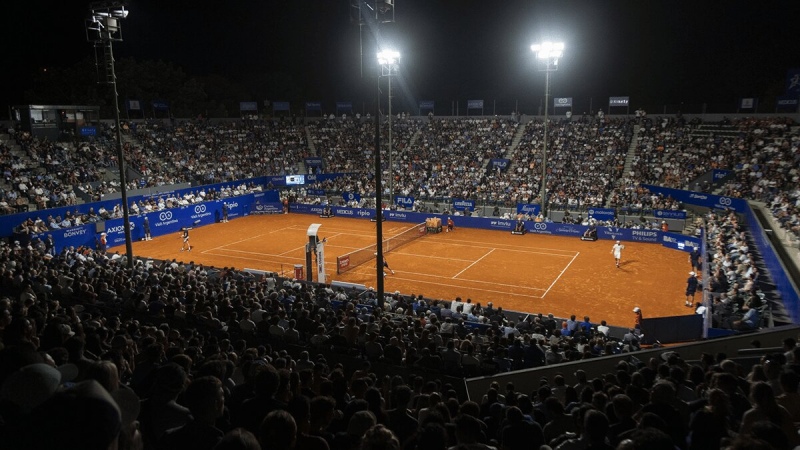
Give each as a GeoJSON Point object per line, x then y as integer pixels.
{"type": "Point", "coordinates": [692, 285]}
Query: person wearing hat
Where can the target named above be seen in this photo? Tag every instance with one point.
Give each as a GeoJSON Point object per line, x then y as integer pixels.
{"type": "Point", "coordinates": [616, 249]}
{"type": "Point", "coordinates": [691, 288]}
{"type": "Point", "coordinates": [638, 312]}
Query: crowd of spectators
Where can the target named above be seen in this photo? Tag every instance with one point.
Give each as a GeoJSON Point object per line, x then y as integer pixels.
{"type": "Point", "coordinates": [176, 355]}
{"type": "Point", "coordinates": [737, 301]}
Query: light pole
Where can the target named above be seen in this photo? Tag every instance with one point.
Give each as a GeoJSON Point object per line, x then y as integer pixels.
{"type": "Point", "coordinates": [389, 59]}
{"type": "Point", "coordinates": [548, 53]}
{"type": "Point", "coordinates": [103, 27]}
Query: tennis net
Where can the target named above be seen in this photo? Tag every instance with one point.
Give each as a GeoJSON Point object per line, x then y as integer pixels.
{"type": "Point", "coordinates": [356, 258]}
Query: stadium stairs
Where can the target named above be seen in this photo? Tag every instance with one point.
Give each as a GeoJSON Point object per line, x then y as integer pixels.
{"type": "Point", "coordinates": [511, 151]}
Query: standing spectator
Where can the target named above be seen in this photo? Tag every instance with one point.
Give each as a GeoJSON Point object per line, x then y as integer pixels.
{"type": "Point", "coordinates": [691, 288]}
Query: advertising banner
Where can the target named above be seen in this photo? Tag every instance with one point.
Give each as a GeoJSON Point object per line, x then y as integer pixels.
{"type": "Point", "coordinates": [426, 104]}
{"type": "Point", "coordinates": [248, 106]}
{"type": "Point", "coordinates": [351, 197]}
{"type": "Point", "coordinates": [133, 105]}
{"type": "Point", "coordinates": [786, 101]}
{"type": "Point", "coordinates": [604, 214]}
{"type": "Point", "coordinates": [160, 105]}
{"type": "Point", "coordinates": [669, 214]}
{"type": "Point", "coordinates": [562, 102]}
{"type": "Point", "coordinates": [719, 174]}
{"type": "Point", "coordinates": [499, 163]}
{"type": "Point", "coordinates": [618, 101]}
{"type": "Point", "coordinates": [462, 205]}
{"type": "Point", "coordinates": [474, 104]}
{"type": "Point", "coordinates": [405, 202]}
{"type": "Point", "coordinates": [280, 106]}
{"type": "Point", "coordinates": [313, 106]}
{"type": "Point", "coordinates": [528, 208]}
{"type": "Point", "coordinates": [344, 107]}
{"type": "Point", "coordinates": [700, 198]}
{"type": "Point", "coordinates": [313, 162]}
{"type": "Point", "coordinates": [316, 192]}
{"type": "Point", "coordinates": [88, 131]}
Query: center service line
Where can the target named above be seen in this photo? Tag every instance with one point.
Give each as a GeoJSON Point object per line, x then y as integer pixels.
{"type": "Point", "coordinates": [476, 262]}
{"type": "Point", "coordinates": [559, 275]}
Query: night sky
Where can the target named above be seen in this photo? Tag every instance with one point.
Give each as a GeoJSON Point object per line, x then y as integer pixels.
{"type": "Point", "coordinates": [653, 51]}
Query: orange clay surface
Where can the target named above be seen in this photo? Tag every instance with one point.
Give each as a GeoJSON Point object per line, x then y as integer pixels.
{"type": "Point", "coordinates": [530, 273]}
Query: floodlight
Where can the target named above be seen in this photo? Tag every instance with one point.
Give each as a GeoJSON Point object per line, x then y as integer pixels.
{"type": "Point", "coordinates": [388, 57]}
{"type": "Point", "coordinates": [548, 49]}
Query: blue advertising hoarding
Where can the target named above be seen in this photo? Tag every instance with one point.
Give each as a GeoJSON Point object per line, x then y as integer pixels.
{"type": "Point", "coordinates": [316, 192]}
{"type": "Point", "coordinates": [499, 163]}
{"type": "Point", "coordinates": [474, 104]}
{"type": "Point", "coordinates": [700, 198]}
{"type": "Point", "coordinates": [280, 106]}
{"type": "Point", "coordinates": [313, 162]}
{"type": "Point", "coordinates": [463, 204]}
{"type": "Point", "coordinates": [426, 104]}
{"type": "Point", "coordinates": [669, 214]}
{"type": "Point", "coordinates": [351, 196]}
{"type": "Point", "coordinates": [718, 174]}
{"type": "Point", "coordinates": [88, 131]}
{"type": "Point", "coordinates": [405, 202]}
{"type": "Point", "coordinates": [605, 214]}
{"type": "Point", "coordinates": [528, 208]}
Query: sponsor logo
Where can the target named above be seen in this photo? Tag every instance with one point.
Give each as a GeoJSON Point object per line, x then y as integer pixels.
{"type": "Point", "coordinates": [670, 239]}
{"type": "Point", "coordinates": [568, 229]}
{"type": "Point", "coordinates": [725, 201]}
{"type": "Point", "coordinates": [345, 212]}
{"type": "Point", "coordinates": [344, 263]}
{"type": "Point", "coordinates": [641, 233]}
{"type": "Point", "coordinates": [463, 204]}
{"type": "Point", "coordinates": [698, 196]}
{"type": "Point", "coordinates": [363, 213]}
{"type": "Point", "coordinates": [165, 216]}
{"type": "Point", "coordinates": [232, 205]}
{"type": "Point", "coordinates": [591, 212]}
{"type": "Point", "coordinates": [399, 215]}
{"type": "Point", "coordinates": [316, 210]}
{"type": "Point", "coordinates": [119, 228]}
{"type": "Point", "coordinates": [199, 209]}
{"type": "Point", "coordinates": [562, 101]}
{"type": "Point", "coordinates": [528, 208]}
{"type": "Point", "coordinates": [405, 200]}
{"type": "Point", "coordinates": [75, 232]}
{"type": "Point", "coordinates": [540, 226]}
{"type": "Point", "coordinates": [659, 213]}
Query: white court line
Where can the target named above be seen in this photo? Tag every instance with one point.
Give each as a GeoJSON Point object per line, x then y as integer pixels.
{"type": "Point", "coordinates": [495, 291]}
{"type": "Point", "coordinates": [495, 248]}
{"type": "Point", "coordinates": [559, 275]}
{"type": "Point", "coordinates": [424, 275]}
{"type": "Point", "coordinates": [473, 263]}
{"type": "Point", "coordinates": [512, 247]}
{"type": "Point", "coordinates": [258, 259]}
{"type": "Point", "coordinates": [245, 239]}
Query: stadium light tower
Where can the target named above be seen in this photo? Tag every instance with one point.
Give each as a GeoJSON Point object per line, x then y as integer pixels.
{"type": "Point", "coordinates": [103, 28]}
{"type": "Point", "coordinates": [389, 61]}
{"type": "Point", "coordinates": [548, 53]}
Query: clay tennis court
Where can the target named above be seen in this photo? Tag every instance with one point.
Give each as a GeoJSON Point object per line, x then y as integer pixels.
{"type": "Point", "coordinates": [530, 273]}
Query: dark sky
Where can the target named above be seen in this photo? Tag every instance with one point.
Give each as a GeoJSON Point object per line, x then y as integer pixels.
{"type": "Point", "coordinates": [654, 51]}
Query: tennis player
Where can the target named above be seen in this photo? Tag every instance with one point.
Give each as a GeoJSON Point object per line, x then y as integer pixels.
{"type": "Point", "coordinates": [186, 245]}
{"type": "Point", "coordinates": [617, 251]}
{"type": "Point", "coordinates": [385, 265]}
{"type": "Point", "coordinates": [450, 224]}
